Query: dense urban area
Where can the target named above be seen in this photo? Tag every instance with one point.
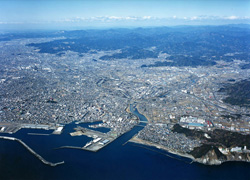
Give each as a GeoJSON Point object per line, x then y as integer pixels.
{"type": "Point", "coordinates": [189, 82]}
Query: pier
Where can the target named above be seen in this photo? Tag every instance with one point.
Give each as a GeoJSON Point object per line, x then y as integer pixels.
{"type": "Point", "coordinates": [99, 141]}
{"type": "Point", "coordinates": [38, 134]}
{"type": "Point", "coordinates": [32, 151]}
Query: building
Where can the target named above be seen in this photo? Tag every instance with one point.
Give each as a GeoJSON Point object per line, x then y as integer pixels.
{"type": "Point", "coordinates": [104, 142]}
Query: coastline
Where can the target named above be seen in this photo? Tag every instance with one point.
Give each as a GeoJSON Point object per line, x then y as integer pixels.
{"type": "Point", "coordinates": [143, 142]}
{"type": "Point", "coordinates": [198, 160]}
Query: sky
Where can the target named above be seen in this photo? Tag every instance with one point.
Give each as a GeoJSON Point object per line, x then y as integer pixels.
{"type": "Point", "coordinates": [77, 14]}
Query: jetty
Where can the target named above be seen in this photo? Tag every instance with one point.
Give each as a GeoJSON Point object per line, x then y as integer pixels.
{"type": "Point", "coordinates": [38, 134]}
{"type": "Point", "coordinates": [31, 150]}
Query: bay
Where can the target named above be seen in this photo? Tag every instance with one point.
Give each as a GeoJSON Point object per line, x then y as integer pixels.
{"type": "Point", "coordinates": [115, 161]}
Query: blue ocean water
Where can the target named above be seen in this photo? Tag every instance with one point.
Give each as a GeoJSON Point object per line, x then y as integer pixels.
{"type": "Point", "coordinates": [116, 161]}
{"type": "Point", "coordinates": [101, 129]}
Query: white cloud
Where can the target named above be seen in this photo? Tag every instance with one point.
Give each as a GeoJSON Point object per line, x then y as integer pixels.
{"type": "Point", "coordinates": [107, 18]}
{"type": "Point", "coordinates": [194, 18]}
{"type": "Point", "coordinates": [205, 17]}
{"type": "Point", "coordinates": [148, 18]}
{"type": "Point", "coordinates": [130, 18]}
{"type": "Point", "coordinates": [232, 17]}
{"type": "Point", "coordinates": [114, 17]}
{"type": "Point", "coordinates": [144, 19]}
{"type": "Point", "coordinates": [236, 18]}
{"type": "Point", "coordinates": [12, 22]}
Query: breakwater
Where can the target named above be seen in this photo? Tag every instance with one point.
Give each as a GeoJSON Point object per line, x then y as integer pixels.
{"type": "Point", "coordinates": [38, 134]}
{"type": "Point", "coordinates": [32, 151]}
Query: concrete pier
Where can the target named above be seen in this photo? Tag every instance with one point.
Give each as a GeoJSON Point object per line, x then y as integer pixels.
{"type": "Point", "coordinates": [32, 151]}
{"type": "Point", "coordinates": [38, 134]}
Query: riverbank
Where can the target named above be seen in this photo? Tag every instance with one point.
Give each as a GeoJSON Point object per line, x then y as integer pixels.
{"type": "Point", "coordinates": [143, 142]}
{"type": "Point", "coordinates": [148, 119]}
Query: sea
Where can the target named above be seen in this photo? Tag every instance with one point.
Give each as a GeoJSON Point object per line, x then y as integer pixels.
{"type": "Point", "coordinates": [117, 161]}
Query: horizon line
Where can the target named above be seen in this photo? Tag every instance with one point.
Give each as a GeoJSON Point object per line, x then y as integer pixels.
{"type": "Point", "coordinates": [118, 27]}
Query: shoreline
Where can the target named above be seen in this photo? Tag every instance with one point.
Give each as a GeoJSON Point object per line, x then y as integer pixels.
{"type": "Point", "coordinates": [143, 142]}
{"type": "Point", "coordinates": [198, 160]}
